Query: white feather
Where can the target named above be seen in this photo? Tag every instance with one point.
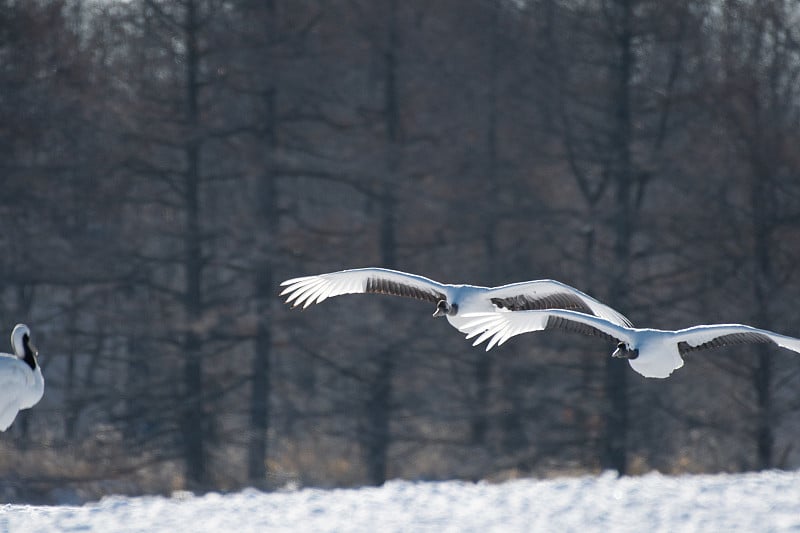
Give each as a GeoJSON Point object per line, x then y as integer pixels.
{"type": "Point", "coordinates": [21, 387]}
{"type": "Point", "coordinates": [659, 351]}
{"type": "Point", "coordinates": [307, 290]}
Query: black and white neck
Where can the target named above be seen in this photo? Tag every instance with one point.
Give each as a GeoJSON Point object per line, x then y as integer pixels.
{"type": "Point", "coordinates": [21, 342]}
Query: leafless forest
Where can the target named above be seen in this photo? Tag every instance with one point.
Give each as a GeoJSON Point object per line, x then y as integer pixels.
{"type": "Point", "coordinates": [165, 164]}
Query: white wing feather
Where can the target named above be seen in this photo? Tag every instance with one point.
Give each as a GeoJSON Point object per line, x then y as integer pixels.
{"type": "Point", "coordinates": [547, 287]}
{"type": "Point", "coordinates": [698, 335]}
{"type": "Point", "coordinates": [309, 290]}
{"type": "Point", "coordinates": [502, 325]}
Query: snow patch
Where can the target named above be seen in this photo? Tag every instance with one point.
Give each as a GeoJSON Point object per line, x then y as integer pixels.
{"type": "Point", "coordinates": [765, 501]}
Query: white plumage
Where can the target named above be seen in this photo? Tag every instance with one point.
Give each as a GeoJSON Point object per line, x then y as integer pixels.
{"type": "Point", "coordinates": [653, 353]}
{"type": "Point", "coordinates": [452, 301]}
{"type": "Point", "coordinates": [21, 380]}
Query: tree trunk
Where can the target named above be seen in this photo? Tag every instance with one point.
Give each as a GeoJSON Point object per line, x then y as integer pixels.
{"type": "Point", "coordinates": [70, 392]}
{"type": "Point", "coordinates": [483, 366]}
{"type": "Point", "coordinates": [615, 438]}
{"type": "Point", "coordinates": [266, 207]}
{"type": "Point", "coordinates": [765, 436]}
{"type": "Point", "coordinates": [194, 419]}
{"type": "Point", "coordinates": [378, 415]}
{"type": "Point", "coordinates": [763, 280]}
{"type": "Point", "coordinates": [380, 392]}
{"type": "Point", "coordinates": [259, 400]}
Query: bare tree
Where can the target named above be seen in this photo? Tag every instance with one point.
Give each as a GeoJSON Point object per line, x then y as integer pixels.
{"type": "Point", "coordinates": [757, 102]}
{"type": "Point", "coordinates": [613, 129]}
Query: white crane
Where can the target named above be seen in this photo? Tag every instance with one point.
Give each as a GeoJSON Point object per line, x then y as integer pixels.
{"type": "Point", "coordinates": [21, 381]}
{"type": "Point", "coordinates": [654, 353]}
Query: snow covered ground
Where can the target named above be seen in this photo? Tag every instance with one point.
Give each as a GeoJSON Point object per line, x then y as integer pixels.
{"type": "Point", "coordinates": [767, 501]}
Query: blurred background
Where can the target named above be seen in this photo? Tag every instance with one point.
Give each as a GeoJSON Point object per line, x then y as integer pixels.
{"type": "Point", "coordinates": [164, 165]}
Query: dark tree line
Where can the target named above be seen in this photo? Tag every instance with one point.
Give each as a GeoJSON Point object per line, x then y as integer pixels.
{"type": "Point", "coordinates": [164, 165]}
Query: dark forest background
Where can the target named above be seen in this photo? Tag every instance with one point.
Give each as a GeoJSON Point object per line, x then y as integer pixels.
{"type": "Point", "coordinates": [165, 164]}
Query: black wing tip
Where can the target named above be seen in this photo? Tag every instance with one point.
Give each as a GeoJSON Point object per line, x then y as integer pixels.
{"type": "Point", "coordinates": [378, 285]}
{"type": "Point", "coordinates": [730, 339]}
{"type": "Point", "coordinates": [562, 300]}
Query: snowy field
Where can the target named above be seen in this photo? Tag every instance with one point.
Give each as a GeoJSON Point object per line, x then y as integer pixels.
{"type": "Point", "coordinates": [768, 501]}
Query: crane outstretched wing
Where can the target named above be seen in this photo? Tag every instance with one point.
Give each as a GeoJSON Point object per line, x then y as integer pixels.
{"type": "Point", "coordinates": [552, 294]}
{"type": "Point", "coordinates": [309, 290]}
{"type": "Point", "coordinates": [500, 326]}
{"type": "Point", "coordinates": [699, 338]}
